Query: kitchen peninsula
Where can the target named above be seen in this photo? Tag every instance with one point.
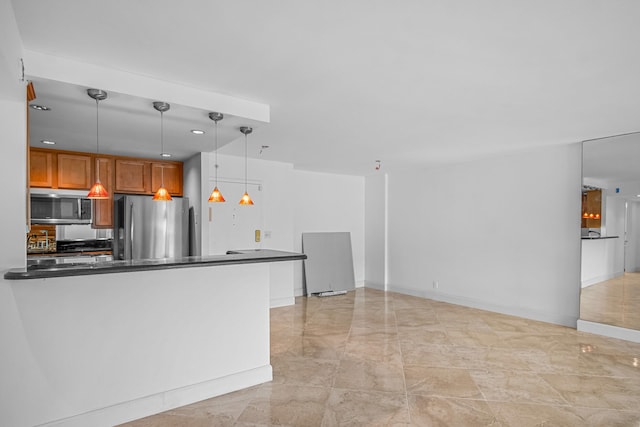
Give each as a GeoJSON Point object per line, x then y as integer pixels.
{"type": "Point", "coordinates": [150, 335]}
{"type": "Point", "coordinates": [49, 270]}
{"type": "Point", "coordinates": [601, 259]}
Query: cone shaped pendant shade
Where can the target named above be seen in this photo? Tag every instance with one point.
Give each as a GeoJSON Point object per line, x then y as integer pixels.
{"type": "Point", "coordinates": [97, 191]}
{"type": "Point", "coordinates": [216, 195]}
{"type": "Point", "coordinates": [246, 199]}
{"type": "Point", "coordinates": [162, 195]}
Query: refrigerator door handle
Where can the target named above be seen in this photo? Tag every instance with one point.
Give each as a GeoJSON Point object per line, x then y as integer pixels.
{"type": "Point", "coordinates": [131, 229]}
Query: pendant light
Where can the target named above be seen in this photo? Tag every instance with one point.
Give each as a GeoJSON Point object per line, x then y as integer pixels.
{"type": "Point", "coordinates": [162, 195]}
{"type": "Point", "coordinates": [216, 195]}
{"type": "Point", "coordinates": [245, 200]}
{"type": "Point", "coordinates": [97, 191]}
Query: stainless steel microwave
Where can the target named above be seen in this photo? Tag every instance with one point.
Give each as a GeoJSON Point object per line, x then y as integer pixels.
{"type": "Point", "coordinates": [58, 207]}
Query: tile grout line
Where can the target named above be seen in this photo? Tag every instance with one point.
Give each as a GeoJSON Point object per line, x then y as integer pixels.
{"type": "Point", "coordinates": [404, 377]}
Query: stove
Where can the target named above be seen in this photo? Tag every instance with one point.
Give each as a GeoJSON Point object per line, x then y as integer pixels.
{"type": "Point", "coordinates": [84, 246]}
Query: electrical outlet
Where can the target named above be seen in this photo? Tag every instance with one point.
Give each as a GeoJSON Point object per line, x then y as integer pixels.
{"type": "Point", "coordinates": [435, 284]}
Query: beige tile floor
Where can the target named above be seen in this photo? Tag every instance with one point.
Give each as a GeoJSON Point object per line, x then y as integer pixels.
{"type": "Point", "coordinates": [613, 302]}
{"type": "Point", "coordinates": [371, 358]}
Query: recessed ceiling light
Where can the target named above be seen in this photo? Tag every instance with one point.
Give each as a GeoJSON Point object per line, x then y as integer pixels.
{"type": "Point", "coordinates": [197, 132]}
{"type": "Point", "coordinates": [165, 155]}
{"type": "Point", "coordinates": [44, 141]}
{"type": "Point", "coordinates": [40, 107]}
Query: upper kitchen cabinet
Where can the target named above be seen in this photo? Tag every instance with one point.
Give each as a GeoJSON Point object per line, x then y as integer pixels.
{"type": "Point", "coordinates": [591, 208]}
{"type": "Point", "coordinates": [168, 172]}
{"type": "Point", "coordinates": [59, 169]}
{"type": "Point", "coordinates": [126, 175]}
{"type": "Point", "coordinates": [74, 171]}
{"type": "Point", "coordinates": [133, 176]}
{"type": "Point", "coordinates": [103, 209]}
{"type": "Point", "coordinates": [141, 176]}
{"type": "Point", "coordinates": [42, 168]}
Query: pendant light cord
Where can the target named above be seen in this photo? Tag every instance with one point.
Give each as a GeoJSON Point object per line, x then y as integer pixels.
{"type": "Point", "coordinates": [97, 140]}
{"type": "Point", "coordinates": [245, 163]}
{"type": "Point", "coordinates": [97, 128]}
{"type": "Point", "coordinates": [161, 147]}
{"type": "Point", "coordinates": [216, 167]}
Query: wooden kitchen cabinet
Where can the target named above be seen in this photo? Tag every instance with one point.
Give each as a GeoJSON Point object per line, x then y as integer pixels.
{"type": "Point", "coordinates": [592, 209]}
{"type": "Point", "coordinates": [53, 169]}
{"type": "Point", "coordinates": [74, 171]}
{"type": "Point", "coordinates": [103, 209]}
{"type": "Point", "coordinates": [171, 173]}
{"type": "Point", "coordinates": [132, 176]}
{"type": "Point", "coordinates": [42, 168]}
{"type": "Point", "coordinates": [139, 176]}
{"type": "Point", "coordinates": [125, 175]}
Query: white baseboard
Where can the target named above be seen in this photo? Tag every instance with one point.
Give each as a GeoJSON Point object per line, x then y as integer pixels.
{"type": "Point", "coordinates": [360, 284]}
{"type": "Point", "coordinates": [594, 280]}
{"type": "Point", "coordinates": [542, 316]}
{"type": "Point", "coordinates": [609, 331]}
{"type": "Point", "coordinates": [375, 285]}
{"type": "Point", "coordinates": [281, 302]}
{"type": "Point", "coordinates": [160, 402]}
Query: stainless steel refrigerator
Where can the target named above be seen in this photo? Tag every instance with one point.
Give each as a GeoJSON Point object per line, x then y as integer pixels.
{"type": "Point", "coordinates": [147, 229]}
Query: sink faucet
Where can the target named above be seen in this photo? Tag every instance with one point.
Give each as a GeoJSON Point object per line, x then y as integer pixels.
{"type": "Point", "coordinates": [597, 233]}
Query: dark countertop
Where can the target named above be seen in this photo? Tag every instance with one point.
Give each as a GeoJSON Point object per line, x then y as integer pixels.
{"type": "Point", "coordinates": [599, 237]}
{"type": "Point", "coordinates": [106, 267]}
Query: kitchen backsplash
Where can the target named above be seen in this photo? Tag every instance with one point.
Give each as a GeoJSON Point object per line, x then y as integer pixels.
{"type": "Point", "coordinates": [42, 238]}
{"type": "Point", "coordinates": [82, 232]}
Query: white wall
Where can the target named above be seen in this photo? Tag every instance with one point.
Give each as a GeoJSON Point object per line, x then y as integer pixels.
{"type": "Point", "coordinates": [274, 178]}
{"type": "Point", "coordinates": [601, 260]}
{"type": "Point", "coordinates": [110, 348]}
{"type": "Point", "coordinates": [376, 230]}
{"type": "Point", "coordinates": [632, 261]}
{"type": "Point", "coordinates": [325, 202]}
{"type": "Point", "coordinates": [500, 233]}
{"type": "Point", "coordinates": [277, 215]}
{"type": "Point", "coordinates": [10, 53]}
{"type": "Point", "coordinates": [615, 217]}
{"type": "Point", "coordinates": [293, 202]}
{"type": "Point", "coordinates": [17, 368]}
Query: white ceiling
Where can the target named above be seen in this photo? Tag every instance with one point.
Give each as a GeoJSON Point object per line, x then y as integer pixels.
{"type": "Point", "coordinates": [128, 125]}
{"type": "Point", "coordinates": [613, 163]}
{"type": "Point", "coordinates": [351, 82]}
